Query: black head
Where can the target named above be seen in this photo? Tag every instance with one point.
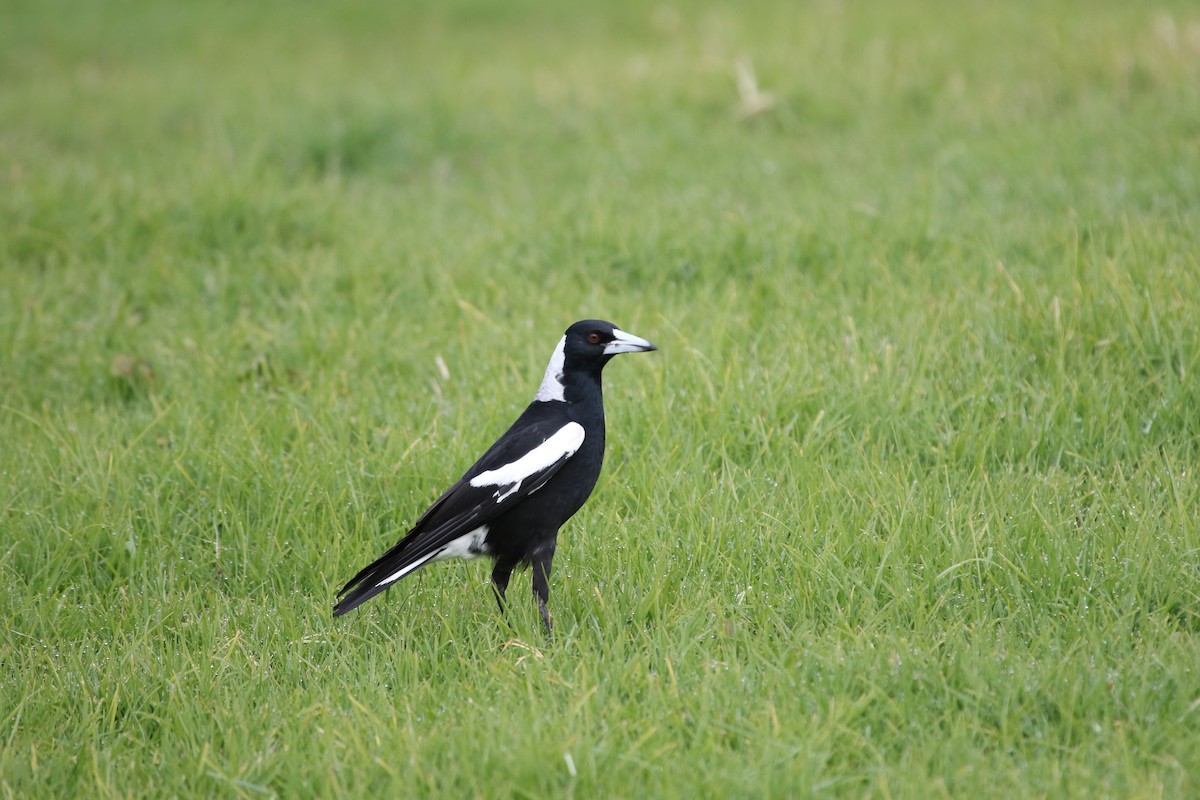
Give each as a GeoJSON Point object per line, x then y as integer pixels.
{"type": "Point", "coordinates": [584, 350]}
{"type": "Point", "coordinates": [594, 341]}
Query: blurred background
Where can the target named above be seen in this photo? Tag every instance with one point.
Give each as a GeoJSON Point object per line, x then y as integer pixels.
{"type": "Point", "coordinates": [904, 503]}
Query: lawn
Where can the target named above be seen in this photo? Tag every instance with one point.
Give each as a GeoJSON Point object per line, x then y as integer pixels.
{"type": "Point", "coordinates": [905, 506]}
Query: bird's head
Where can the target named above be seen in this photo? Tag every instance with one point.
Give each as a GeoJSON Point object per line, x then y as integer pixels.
{"type": "Point", "coordinates": [585, 348]}
{"type": "Point", "coordinates": [592, 342]}
{"type": "Point", "coordinates": [597, 340]}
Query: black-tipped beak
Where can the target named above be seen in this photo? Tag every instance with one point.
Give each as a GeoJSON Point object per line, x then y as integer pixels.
{"type": "Point", "coordinates": [627, 343]}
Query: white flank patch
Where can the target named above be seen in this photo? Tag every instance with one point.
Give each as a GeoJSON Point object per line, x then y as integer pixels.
{"type": "Point", "coordinates": [626, 343]}
{"type": "Point", "coordinates": [469, 545]}
{"type": "Point", "coordinates": [552, 385]}
{"type": "Point", "coordinates": [562, 444]}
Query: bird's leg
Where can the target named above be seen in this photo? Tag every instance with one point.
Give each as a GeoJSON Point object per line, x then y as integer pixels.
{"type": "Point", "coordinates": [500, 574]}
{"type": "Point", "coordinates": [541, 583]}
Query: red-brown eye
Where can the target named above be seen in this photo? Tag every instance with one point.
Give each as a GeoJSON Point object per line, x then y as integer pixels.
{"type": "Point", "coordinates": [594, 337]}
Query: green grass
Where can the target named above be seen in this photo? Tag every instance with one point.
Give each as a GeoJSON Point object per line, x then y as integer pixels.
{"type": "Point", "coordinates": [905, 506]}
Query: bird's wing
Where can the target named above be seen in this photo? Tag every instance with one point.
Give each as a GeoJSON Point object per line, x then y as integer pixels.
{"type": "Point", "coordinates": [520, 463]}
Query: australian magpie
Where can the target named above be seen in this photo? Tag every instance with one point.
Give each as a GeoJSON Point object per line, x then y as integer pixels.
{"type": "Point", "coordinates": [511, 503]}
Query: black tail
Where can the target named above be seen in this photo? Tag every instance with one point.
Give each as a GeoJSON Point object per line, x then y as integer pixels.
{"type": "Point", "coordinates": [420, 546]}
{"type": "Point", "coordinates": [370, 579]}
{"type": "Point", "coordinates": [360, 595]}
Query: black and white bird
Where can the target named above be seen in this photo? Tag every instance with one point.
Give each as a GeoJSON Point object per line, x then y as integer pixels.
{"type": "Point", "coordinates": [511, 503]}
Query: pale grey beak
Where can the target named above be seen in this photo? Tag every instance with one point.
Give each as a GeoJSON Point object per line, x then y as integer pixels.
{"type": "Point", "coordinates": [627, 343]}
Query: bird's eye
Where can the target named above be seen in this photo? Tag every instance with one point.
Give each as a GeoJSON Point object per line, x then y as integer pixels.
{"type": "Point", "coordinates": [594, 337]}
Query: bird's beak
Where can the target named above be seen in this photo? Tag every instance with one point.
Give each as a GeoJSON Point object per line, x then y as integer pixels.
{"type": "Point", "coordinates": [626, 343]}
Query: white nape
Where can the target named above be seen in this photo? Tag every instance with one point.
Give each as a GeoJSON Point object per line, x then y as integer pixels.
{"type": "Point", "coordinates": [552, 384]}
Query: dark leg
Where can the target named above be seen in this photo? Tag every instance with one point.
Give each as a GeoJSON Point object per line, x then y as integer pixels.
{"type": "Point", "coordinates": [500, 574]}
{"type": "Point", "coordinates": [541, 583]}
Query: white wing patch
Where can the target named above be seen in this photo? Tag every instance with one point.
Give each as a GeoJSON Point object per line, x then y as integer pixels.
{"type": "Point", "coordinates": [562, 444]}
{"type": "Point", "coordinates": [552, 385]}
